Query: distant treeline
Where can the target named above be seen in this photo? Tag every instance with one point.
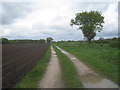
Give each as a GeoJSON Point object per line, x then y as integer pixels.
{"type": "Point", "coordinates": [18, 41]}
{"type": "Point", "coordinates": [113, 42]}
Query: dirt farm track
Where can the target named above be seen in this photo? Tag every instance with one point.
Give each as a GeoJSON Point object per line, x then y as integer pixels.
{"type": "Point", "coordinates": [18, 59]}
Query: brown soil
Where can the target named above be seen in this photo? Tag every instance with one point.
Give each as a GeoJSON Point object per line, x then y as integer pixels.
{"type": "Point", "coordinates": [18, 60]}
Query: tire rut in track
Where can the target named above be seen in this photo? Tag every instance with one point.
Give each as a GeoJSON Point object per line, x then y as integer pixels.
{"type": "Point", "coordinates": [52, 77]}
{"type": "Point", "coordinates": [88, 77]}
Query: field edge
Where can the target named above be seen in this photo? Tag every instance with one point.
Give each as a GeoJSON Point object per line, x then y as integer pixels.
{"type": "Point", "coordinates": [32, 79]}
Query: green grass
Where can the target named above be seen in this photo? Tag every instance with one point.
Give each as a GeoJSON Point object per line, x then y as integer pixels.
{"type": "Point", "coordinates": [102, 58]}
{"type": "Point", "coordinates": [69, 73]}
{"type": "Point", "coordinates": [32, 79]}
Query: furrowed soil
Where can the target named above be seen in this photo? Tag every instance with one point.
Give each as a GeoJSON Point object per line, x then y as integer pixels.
{"type": "Point", "coordinates": [18, 60]}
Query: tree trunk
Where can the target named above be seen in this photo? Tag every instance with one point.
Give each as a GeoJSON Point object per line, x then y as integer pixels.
{"type": "Point", "coordinates": [89, 40]}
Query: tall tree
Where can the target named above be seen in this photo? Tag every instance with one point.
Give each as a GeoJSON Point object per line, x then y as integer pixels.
{"type": "Point", "coordinates": [89, 23]}
{"type": "Point", "coordinates": [49, 39]}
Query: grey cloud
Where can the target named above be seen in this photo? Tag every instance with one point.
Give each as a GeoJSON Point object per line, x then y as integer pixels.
{"type": "Point", "coordinates": [41, 26]}
{"type": "Point", "coordinates": [108, 31]}
{"type": "Point", "coordinates": [84, 6]}
{"type": "Point", "coordinates": [119, 19]}
{"type": "Point", "coordinates": [60, 27]}
{"type": "Point", "coordinates": [108, 34]}
{"type": "Point", "coordinates": [14, 10]}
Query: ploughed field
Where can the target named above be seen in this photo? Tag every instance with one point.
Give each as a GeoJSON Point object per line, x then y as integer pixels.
{"type": "Point", "coordinates": [18, 60]}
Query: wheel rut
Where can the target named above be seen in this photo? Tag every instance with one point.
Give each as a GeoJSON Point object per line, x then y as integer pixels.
{"type": "Point", "coordinates": [88, 77]}
{"type": "Point", "coordinates": [53, 75]}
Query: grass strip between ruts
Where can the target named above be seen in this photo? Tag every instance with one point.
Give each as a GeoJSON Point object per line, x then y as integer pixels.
{"type": "Point", "coordinates": [69, 72]}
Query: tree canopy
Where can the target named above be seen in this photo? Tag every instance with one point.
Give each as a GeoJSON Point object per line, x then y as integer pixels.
{"type": "Point", "coordinates": [89, 23]}
{"type": "Point", "coordinates": [49, 39]}
{"type": "Point", "coordinates": [5, 41]}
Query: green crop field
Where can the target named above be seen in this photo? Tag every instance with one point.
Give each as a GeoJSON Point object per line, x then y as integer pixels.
{"type": "Point", "coordinates": [100, 57]}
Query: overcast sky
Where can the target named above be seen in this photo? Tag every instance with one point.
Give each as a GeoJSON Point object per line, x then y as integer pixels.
{"type": "Point", "coordinates": [39, 20]}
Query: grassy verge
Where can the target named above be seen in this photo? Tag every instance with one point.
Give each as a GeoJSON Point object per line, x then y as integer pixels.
{"type": "Point", "coordinates": [32, 79]}
{"type": "Point", "coordinates": [69, 73]}
{"type": "Point", "coordinates": [102, 58]}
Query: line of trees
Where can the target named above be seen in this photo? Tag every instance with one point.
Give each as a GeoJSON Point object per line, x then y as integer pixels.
{"type": "Point", "coordinates": [18, 41]}
{"type": "Point", "coordinates": [112, 42]}
{"type": "Point", "coordinates": [4, 40]}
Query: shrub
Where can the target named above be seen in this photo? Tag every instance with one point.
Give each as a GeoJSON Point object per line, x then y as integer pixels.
{"type": "Point", "coordinates": [5, 41]}
{"type": "Point", "coordinates": [114, 44]}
